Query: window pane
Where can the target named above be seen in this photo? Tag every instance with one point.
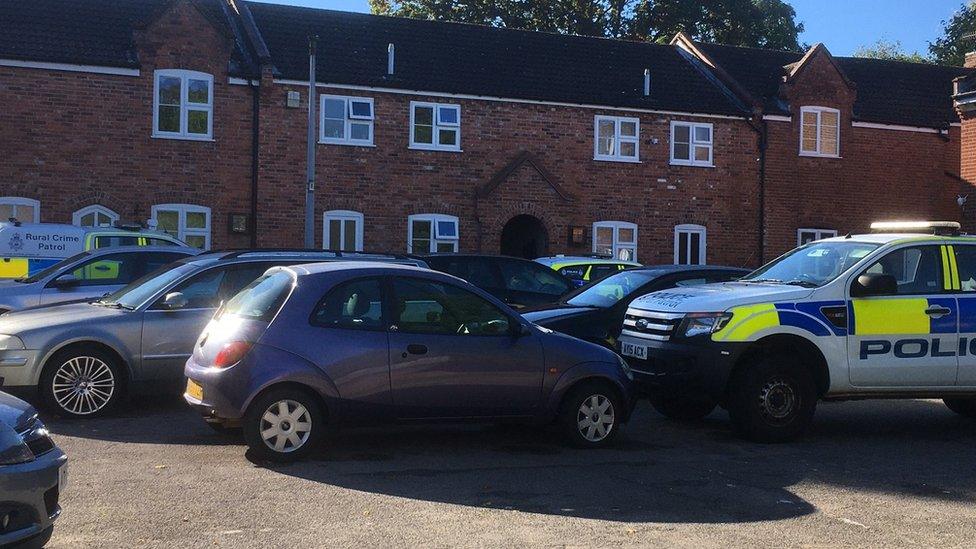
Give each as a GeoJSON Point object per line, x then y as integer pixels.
{"type": "Point", "coordinates": [359, 131]}
{"type": "Point", "coordinates": [356, 304]}
{"type": "Point", "coordinates": [625, 253]}
{"type": "Point", "coordinates": [429, 307]}
{"type": "Point", "coordinates": [604, 240]}
{"type": "Point", "coordinates": [828, 146]}
{"type": "Point", "coordinates": [828, 119]}
{"type": "Point", "coordinates": [701, 154]}
{"type": "Point", "coordinates": [966, 265]}
{"type": "Point", "coordinates": [168, 221]}
{"type": "Point", "coordinates": [196, 220]}
{"type": "Point", "coordinates": [694, 252]}
{"type": "Point", "coordinates": [703, 134]}
{"type": "Point", "coordinates": [169, 90]}
{"type": "Point", "coordinates": [446, 247]}
{"type": "Point", "coordinates": [423, 134]}
{"type": "Point", "coordinates": [682, 151]}
{"type": "Point", "coordinates": [628, 129]}
{"type": "Point", "coordinates": [447, 137]}
{"type": "Point", "coordinates": [335, 108]}
{"type": "Point", "coordinates": [682, 248]}
{"type": "Point", "coordinates": [626, 235]}
{"type": "Point", "coordinates": [606, 129]}
{"type": "Point", "coordinates": [201, 291]}
{"type": "Point", "coordinates": [335, 234]}
{"type": "Point", "coordinates": [809, 118]}
{"type": "Point", "coordinates": [917, 270]}
{"type": "Point", "coordinates": [420, 245]}
{"type": "Point", "coordinates": [361, 108]}
{"type": "Point", "coordinates": [809, 143]}
{"type": "Point", "coordinates": [682, 134]}
{"type": "Point", "coordinates": [169, 119]}
{"type": "Point", "coordinates": [196, 122]}
{"type": "Point", "coordinates": [447, 115]}
{"type": "Point", "coordinates": [334, 129]}
{"type": "Point", "coordinates": [605, 145]}
{"type": "Point", "coordinates": [196, 241]}
{"type": "Point", "coordinates": [87, 220]}
{"type": "Point", "coordinates": [7, 211]}
{"type": "Point", "coordinates": [421, 229]}
{"type": "Point", "coordinates": [423, 116]}
{"type": "Point", "coordinates": [446, 229]}
{"type": "Point", "coordinates": [198, 91]}
{"type": "Point", "coordinates": [628, 149]}
{"type": "Point", "coordinates": [349, 235]}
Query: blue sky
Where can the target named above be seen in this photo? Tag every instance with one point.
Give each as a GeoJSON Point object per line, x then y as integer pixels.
{"type": "Point", "coordinates": [842, 25]}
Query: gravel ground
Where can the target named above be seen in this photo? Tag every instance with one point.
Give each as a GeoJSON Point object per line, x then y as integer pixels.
{"type": "Point", "coordinates": [869, 474]}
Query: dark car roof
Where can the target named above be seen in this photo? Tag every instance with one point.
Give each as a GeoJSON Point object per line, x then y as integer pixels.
{"type": "Point", "coordinates": [669, 268]}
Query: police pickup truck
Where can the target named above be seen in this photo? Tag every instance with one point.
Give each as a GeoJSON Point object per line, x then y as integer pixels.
{"type": "Point", "coordinates": [882, 315]}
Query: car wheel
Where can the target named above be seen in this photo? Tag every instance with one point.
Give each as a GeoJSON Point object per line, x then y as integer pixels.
{"type": "Point", "coordinates": [683, 407]}
{"type": "Point", "coordinates": [283, 425]}
{"type": "Point", "coordinates": [81, 382]}
{"type": "Point", "coordinates": [590, 414]}
{"type": "Point", "coordinates": [772, 399]}
{"type": "Point", "coordinates": [962, 406]}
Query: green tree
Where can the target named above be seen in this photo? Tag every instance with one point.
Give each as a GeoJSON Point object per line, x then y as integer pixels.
{"type": "Point", "coordinates": [758, 23]}
{"type": "Point", "coordinates": [958, 37]}
{"type": "Point", "coordinates": [890, 49]}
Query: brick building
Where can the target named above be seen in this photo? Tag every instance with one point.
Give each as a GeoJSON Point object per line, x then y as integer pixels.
{"type": "Point", "coordinates": [442, 136]}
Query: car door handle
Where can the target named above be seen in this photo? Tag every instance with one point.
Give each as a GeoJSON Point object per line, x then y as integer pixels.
{"type": "Point", "coordinates": [937, 311]}
{"type": "Point", "coordinates": [416, 349]}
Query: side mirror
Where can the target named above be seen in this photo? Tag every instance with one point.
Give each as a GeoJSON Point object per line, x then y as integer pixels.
{"type": "Point", "coordinates": [869, 285]}
{"type": "Point", "coordinates": [64, 281]}
{"type": "Point", "coordinates": [521, 330]}
{"type": "Point", "coordinates": [173, 301]}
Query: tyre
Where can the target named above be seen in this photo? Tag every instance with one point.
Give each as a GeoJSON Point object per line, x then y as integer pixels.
{"type": "Point", "coordinates": [284, 425]}
{"type": "Point", "coordinates": [82, 381]}
{"type": "Point", "coordinates": [772, 399]}
{"type": "Point", "coordinates": [962, 406]}
{"type": "Point", "coordinates": [36, 542]}
{"type": "Point", "coordinates": [683, 407]}
{"type": "Point", "coordinates": [589, 415]}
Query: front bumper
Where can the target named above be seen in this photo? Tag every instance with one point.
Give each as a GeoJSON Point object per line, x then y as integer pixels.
{"type": "Point", "coordinates": [696, 365]}
{"type": "Point", "coordinates": [18, 368]}
{"type": "Point", "coordinates": [29, 496]}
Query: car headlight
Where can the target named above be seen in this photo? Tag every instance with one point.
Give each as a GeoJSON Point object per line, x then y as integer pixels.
{"type": "Point", "coordinates": [10, 343]}
{"type": "Point", "coordinates": [13, 449]}
{"type": "Point", "coordinates": [696, 324]}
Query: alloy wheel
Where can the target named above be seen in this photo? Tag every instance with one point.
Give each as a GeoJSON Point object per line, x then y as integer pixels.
{"type": "Point", "coordinates": [595, 418]}
{"type": "Point", "coordinates": [83, 385]}
{"type": "Point", "coordinates": [285, 426]}
{"type": "Point", "coordinates": [777, 400]}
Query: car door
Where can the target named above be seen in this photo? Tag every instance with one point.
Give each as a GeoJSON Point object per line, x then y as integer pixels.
{"type": "Point", "coordinates": [908, 339]}
{"type": "Point", "coordinates": [527, 283]}
{"type": "Point", "coordinates": [965, 264]}
{"type": "Point", "coordinates": [455, 354]}
{"type": "Point", "coordinates": [103, 274]}
{"type": "Point", "coordinates": [168, 335]}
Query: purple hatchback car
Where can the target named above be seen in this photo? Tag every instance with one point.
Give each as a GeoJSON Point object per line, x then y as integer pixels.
{"type": "Point", "coordinates": [347, 343]}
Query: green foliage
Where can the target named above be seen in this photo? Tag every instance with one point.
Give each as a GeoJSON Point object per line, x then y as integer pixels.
{"type": "Point", "coordinates": [890, 49]}
{"type": "Point", "coordinates": [958, 37]}
{"type": "Point", "coordinates": [758, 23]}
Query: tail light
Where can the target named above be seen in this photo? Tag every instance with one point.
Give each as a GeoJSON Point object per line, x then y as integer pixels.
{"type": "Point", "coordinates": [231, 353]}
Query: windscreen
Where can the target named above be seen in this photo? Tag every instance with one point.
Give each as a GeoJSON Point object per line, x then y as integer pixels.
{"type": "Point", "coordinates": [814, 264]}
{"type": "Point", "coordinates": [611, 289]}
{"type": "Point", "coordinates": [261, 299]}
{"type": "Point", "coordinates": [142, 289]}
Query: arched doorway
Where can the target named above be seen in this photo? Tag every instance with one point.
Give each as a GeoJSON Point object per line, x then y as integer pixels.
{"type": "Point", "coordinates": [525, 236]}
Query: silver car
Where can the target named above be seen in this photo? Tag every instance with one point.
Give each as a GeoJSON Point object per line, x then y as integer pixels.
{"type": "Point", "coordinates": [82, 358]}
{"type": "Point", "coordinates": [87, 275]}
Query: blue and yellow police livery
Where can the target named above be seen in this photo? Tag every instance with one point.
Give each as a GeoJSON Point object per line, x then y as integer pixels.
{"type": "Point", "coordinates": [888, 314]}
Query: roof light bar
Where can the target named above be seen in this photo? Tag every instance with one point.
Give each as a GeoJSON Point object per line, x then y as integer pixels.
{"type": "Point", "coordinates": [937, 227]}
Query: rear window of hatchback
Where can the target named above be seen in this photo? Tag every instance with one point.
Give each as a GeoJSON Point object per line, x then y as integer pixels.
{"type": "Point", "coordinates": [261, 299]}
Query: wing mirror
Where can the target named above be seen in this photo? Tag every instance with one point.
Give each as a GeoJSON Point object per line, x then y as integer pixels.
{"type": "Point", "coordinates": [66, 280]}
{"type": "Point", "coordinates": [869, 285]}
{"type": "Point", "coordinates": [521, 330]}
{"type": "Point", "coordinates": [173, 301]}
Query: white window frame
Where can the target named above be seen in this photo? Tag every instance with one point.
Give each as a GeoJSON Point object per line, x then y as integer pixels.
{"type": "Point", "coordinates": [819, 234]}
{"type": "Point", "coordinates": [692, 143]}
{"type": "Point", "coordinates": [615, 156]}
{"type": "Point", "coordinates": [688, 228]}
{"type": "Point", "coordinates": [94, 209]}
{"type": "Point", "coordinates": [21, 201]}
{"type": "Point", "coordinates": [617, 245]}
{"type": "Point", "coordinates": [185, 106]}
{"type": "Point", "coordinates": [341, 216]}
{"type": "Point", "coordinates": [819, 111]}
{"type": "Point", "coordinates": [435, 238]}
{"type": "Point", "coordinates": [438, 125]}
{"type": "Point", "coordinates": [182, 230]}
{"type": "Point", "coordinates": [349, 119]}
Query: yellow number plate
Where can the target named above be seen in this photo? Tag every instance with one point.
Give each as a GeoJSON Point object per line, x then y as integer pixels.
{"type": "Point", "coordinates": [194, 389]}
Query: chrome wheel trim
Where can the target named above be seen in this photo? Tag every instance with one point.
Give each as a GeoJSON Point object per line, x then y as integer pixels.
{"type": "Point", "coordinates": [777, 400]}
{"type": "Point", "coordinates": [285, 426]}
{"type": "Point", "coordinates": [83, 385]}
{"type": "Point", "coordinates": [595, 418]}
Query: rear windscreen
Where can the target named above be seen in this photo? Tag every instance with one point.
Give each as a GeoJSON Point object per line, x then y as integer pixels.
{"type": "Point", "coordinates": [261, 299]}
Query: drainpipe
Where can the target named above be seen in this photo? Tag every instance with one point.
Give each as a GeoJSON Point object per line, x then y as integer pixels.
{"type": "Point", "coordinates": [762, 131]}
{"type": "Point", "coordinates": [255, 146]}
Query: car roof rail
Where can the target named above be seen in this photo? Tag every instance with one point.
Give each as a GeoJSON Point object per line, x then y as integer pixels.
{"type": "Point", "coordinates": [239, 252]}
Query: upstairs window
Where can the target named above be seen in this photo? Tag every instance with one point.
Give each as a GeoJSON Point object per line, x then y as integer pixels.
{"type": "Point", "coordinates": [346, 120]}
{"type": "Point", "coordinates": [94, 216]}
{"type": "Point", "coordinates": [432, 233]}
{"type": "Point", "coordinates": [617, 239]}
{"type": "Point", "coordinates": [183, 105]}
{"type": "Point", "coordinates": [689, 245]}
{"type": "Point", "coordinates": [25, 210]}
{"type": "Point", "coordinates": [187, 222]}
{"type": "Point", "coordinates": [616, 138]}
{"type": "Point", "coordinates": [435, 126]}
{"type": "Point", "coordinates": [691, 144]}
{"type": "Point", "coordinates": [804, 236]}
{"type": "Point", "coordinates": [819, 132]}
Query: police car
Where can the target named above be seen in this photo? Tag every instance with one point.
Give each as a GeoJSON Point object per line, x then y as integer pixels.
{"type": "Point", "coordinates": [28, 248]}
{"type": "Point", "coordinates": [585, 269]}
{"type": "Point", "coordinates": [886, 315]}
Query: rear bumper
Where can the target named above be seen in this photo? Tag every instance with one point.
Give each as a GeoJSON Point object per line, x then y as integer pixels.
{"type": "Point", "coordinates": [223, 392]}
{"type": "Point", "coordinates": [696, 366]}
{"type": "Point", "coordinates": [29, 496]}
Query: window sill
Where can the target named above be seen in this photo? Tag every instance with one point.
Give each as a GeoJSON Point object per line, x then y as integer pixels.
{"type": "Point", "coordinates": [818, 155]}
{"type": "Point", "coordinates": [433, 149]}
{"type": "Point", "coordinates": [346, 143]}
{"type": "Point", "coordinates": [692, 164]}
{"type": "Point", "coordinates": [613, 159]}
{"type": "Point", "coordinates": [182, 137]}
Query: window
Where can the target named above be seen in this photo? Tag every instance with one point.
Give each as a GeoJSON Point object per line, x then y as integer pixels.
{"type": "Point", "coordinates": [819, 131]}
{"type": "Point", "coordinates": [966, 266]}
{"type": "Point", "coordinates": [121, 268]}
{"type": "Point", "coordinates": [616, 138]}
{"type": "Point", "coordinates": [432, 233]}
{"type": "Point", "coordinates": [343, 230]}
{"type": "Point", "coordinates": [476, 270]}
{"type": "Point", "coordinates": [432, 307]}
{"type": "Point", "coordinates": [346, 120]}
{"type": "Point", "coordinates": [804, 236]}
{"type": "Point", "coordinates": [691, 144]}
{"type": "Point", "coordinates": [94, 216]}
{"type": "Point", "coordinates": [183, 104]}
{"type": "Point", "coordinates": [26, 210]}
{"type": "Point", "coordinates": [187, 222]}
{"type": "Point", "coordinates": [356, 304]}
{"type": "Point", "coordinates": [528, 276]}
{"type": "Point", "coordinates": [615, 238]}
{"type": "Point", "coordinates": [916, 269]}
{"type": "Point", "coordinates": [435, 126]}
{"type": "Point", "coordinates": [689, 245]}
{"type": "Point", "coordinates": [206, 290]}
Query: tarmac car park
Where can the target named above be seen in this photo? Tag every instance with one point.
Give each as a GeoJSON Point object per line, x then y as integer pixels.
{"type": "Point", "coordinates": [883, 315]}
